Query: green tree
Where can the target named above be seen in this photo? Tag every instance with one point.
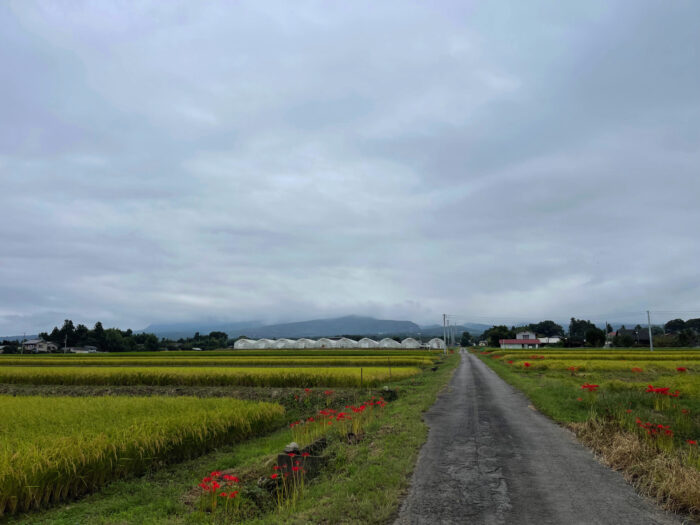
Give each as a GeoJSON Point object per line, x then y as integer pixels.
{"type": "Point", "coordinates": [466, 339]}
{"type": "Point", "coordinates": [595, 337]}
{"type": "Point", "coordinates": [674, 326]}
{"type": "Point", "coordinates": [494, 334]}
{"type": "Point", "coordinates": [547, 328]}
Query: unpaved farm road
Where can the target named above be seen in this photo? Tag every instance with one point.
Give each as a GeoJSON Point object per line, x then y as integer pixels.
{"type": "Point", "coordinates": [490, 458]}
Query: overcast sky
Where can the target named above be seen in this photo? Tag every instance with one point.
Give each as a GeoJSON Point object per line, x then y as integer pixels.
{"type": "Point", "coordinates": [166, 161]}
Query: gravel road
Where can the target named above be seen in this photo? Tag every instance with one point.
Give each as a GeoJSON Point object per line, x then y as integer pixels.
{"type": "Point", "coordinates": [491, 458]}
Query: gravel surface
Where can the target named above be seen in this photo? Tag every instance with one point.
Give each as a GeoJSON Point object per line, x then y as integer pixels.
{"type": "Point", "coordinates": [491, 458]}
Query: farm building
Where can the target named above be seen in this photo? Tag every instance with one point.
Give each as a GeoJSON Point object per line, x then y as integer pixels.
{"type": "Point", "coordinates": [436, 343]}
{"type": "Point", "coordinates": [264, 343]}
{"type": "Point", "coordinates": [244, 344]}
{"type": "Point", "coordinates": [307, 343]}
{"type": "Point", "coordinates": [38, 345]}
{"type": "Point", "coordinates": [344, 342]}
{"type": "Point", "coordinates": [522, 340]}
{"type": "Point", "coordinates": [326, 343]}
{"type": "Point", "coordinates": [387, 342]}
{"type": "Point", "coordinates": [366, 342]}
{"type": "Point", "coordinates": [409, 342]}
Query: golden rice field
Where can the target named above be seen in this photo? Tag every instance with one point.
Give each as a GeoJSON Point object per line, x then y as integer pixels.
{"type": "Point", "coordinates": [205, 376]}
{"type": "Point", "coordinates": [393, 360]}
{"type": "Point", "coordinates": [56, 448]}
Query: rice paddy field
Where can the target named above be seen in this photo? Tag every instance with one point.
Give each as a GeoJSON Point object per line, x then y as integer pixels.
{"type": "Point", "coordinates": [55, 448]}
{"type": "Point", "coordinates": [639, 409]}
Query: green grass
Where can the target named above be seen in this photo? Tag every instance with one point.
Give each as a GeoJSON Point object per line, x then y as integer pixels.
{"type": "Point", "coordinates": [362, 484]}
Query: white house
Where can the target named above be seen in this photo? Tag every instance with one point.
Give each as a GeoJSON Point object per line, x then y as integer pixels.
{"type": "Point", "coordinates": [409, 342]}
{"type": "Point", "coordinates": [549, 340]}
{"type": "Point", "coordinates": [366, 342]}
{"type": "Point", "coordinates": [244, 344]}
{"type": "Point", "coordinates": [387, 342]}
{"type": "Point", "coordinates": [436, 343]}
{"type": "Point", "coordinates": [345, 342]}
{"type": "Point", "coordinates": [326, 343]}
{"type": "Point", "coordinates": [39, 345]}
{"type": "Point", "coordinates": [522, 340]}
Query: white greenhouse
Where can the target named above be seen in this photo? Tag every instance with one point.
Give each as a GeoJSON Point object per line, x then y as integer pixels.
{"type": "Point", "coordinates": [366, 342]}
{"type": "Point", "coordinates": [285, 343]}
{"type": "Point", "coordinates": [436, 343]}
{"type": "Point", "coordinates": [307, 343]}
{"type": "Point", "coordinates": [244, 344]}
{"type": "Point", "coordinates": [326, 343]}
{"type": "Point", "coordinates": [345, 342]}
{"type": "Point", "coordinates": [387, 342]}
{"type": "Point", "coordinates": [264, 343]}
{"type": "Point", "coordinates": [409, 342]}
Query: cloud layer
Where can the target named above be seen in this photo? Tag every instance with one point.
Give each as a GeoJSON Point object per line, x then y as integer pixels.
{"type": "Point", "coordinates": [276, 161]}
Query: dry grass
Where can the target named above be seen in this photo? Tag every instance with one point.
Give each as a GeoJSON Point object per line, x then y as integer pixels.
{"type": "Point", "coordinates": [659, 475]}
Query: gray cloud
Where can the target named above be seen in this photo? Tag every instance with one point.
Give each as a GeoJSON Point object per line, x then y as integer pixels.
{"type": "Point", "coordinates": [276, 161]}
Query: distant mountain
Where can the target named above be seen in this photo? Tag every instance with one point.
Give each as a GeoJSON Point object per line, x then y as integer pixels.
{"type": "Point", "coordinates": [188, 329]}
{"type": "Point", "coordinates": [349, 325]}
{"type": "Point", "coordinates": [18, 337]}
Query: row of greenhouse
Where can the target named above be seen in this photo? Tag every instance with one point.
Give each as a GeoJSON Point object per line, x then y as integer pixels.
{"type": "Point", "coordinates": [343, 342]}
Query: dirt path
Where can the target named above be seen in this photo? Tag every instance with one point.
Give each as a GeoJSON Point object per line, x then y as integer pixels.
{"type": "Point", "coordinates": [490, 459]}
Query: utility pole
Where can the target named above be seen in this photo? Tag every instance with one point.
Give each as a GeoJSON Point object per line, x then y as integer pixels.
{"type": "Point", "coordinates": [444, 331]}
{"type": "Point", "coordinates": [651, 339]}
{"type": "Point", "coordinates": [65, 343]}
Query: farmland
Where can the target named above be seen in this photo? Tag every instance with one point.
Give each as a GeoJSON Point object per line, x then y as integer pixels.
{"type": "Point", "coordinates": [56, 448]}
{"type": "Point", "coordinates": [640, 410]}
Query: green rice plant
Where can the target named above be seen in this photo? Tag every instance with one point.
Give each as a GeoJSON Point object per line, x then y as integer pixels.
{"type": "Point", "coordinates": [205, 376]}
{"type": "Point", "coordinates": [53, 449]}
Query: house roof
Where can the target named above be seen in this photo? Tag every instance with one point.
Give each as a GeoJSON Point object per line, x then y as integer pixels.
{"type": "Point", "coordinates": [34, 341]}
{"type": "Point", "coordinates": [519, 341]}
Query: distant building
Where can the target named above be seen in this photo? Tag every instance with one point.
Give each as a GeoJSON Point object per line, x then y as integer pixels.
{"type": "Point", "coordinates": [324, 342]}
{"type": "Point", "coordinates": [388, 342]}
{"type": "Point", "coordinates": [549, 340]}
{"type": "Point", "coordinates": [38, 346]}
{"type": "Point", "coordinates": [366, 342]}
{"type": "Point", "coordinates": [409, 342]}
{"type": "Point", "coordinates": [436, 343]}
{"type": "Point", "coordinates": [345, 342]}
{"type": "Point", "coordinates": [522, 340]}
{"type": "Point", "coordinates": [83, 349]}
{"type": "Point", "coordinates": [244, 344]}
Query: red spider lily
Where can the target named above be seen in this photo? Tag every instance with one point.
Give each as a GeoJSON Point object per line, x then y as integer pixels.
{"type": "Point", "coordinates": [291, 454]}
{"type": "Point", "coordinates": [206, 479]}
{"type": "Point", "coordinates": [328, 392]}
{"type": "Point", "coordinates": [590, 388]}
{"type": "Point", "coordinates": [233, 494]}
{"type": "Point", "coordinates": [692, 442]}
{"type": "Point", "coordinates": [215, 485]}
{"type": "Point", "coordinates": [204, 487]}
{"type": "Point", "coordinates": [223, 494]}
{"type": "Point", "coordinates": [579, 399]}
{"type": "Point", "coordinates": [276, 467]}
{"type": "Point", "coordinates": [637, 370]}
{"type": "Point", "coordinates": [629, 410]}
{"type": "Point", "coordinates": [681, 369]}
{"type": "Point", "coordinates": [295, 469]}
{"type": "Point", "coordinates": [526, 364]}
{"type": "Point", "coordinates": [307, 390]}
{"type": "Point", "coordinates": [510, 362]}
{"type": "Point", "coordinates": [233, 479]}
{"type": "Point", "coordinates": [305, 454]}
{"type": "Point", "coordinates": [658, 390]}
{"type": "Point", "coordinates": [685, 410]}
{"type": "Point", "coordinates": [215, 474]}
{"type": "Point", "coordinates": [310, 420]}
{"type": "Point", "coordinates": [274, 476]}
{"type": "Point", "coordinates": [572, 369]}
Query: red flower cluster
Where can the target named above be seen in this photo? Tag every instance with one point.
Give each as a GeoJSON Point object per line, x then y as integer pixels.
{"type": "Point", "coordinates": [681, 369]}
{"type": "Point", "coordinates": [692, 442]}
{"type": "Point", "coordinates": [637, 370]}
{"type": "Point", "coordinates": [526, 364]}
{"type": "Point", "coordinates": [510, 362]}
{"type": "Point", "coordinates": [590, 388]}
{"type": "Point", "coordinates": [664, 391]}
{"type": "Point", "coordinates": [537, 357]}
{"type": "Point", "coordinates": [654, 429]}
